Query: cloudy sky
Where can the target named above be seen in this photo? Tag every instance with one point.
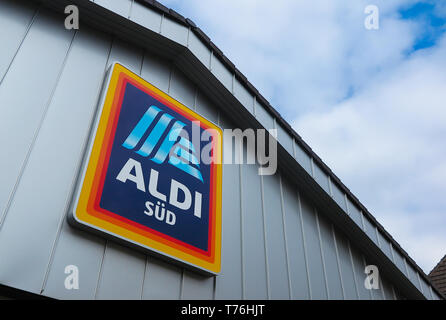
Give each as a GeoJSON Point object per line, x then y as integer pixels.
{"type": "Point", "coordinates": [371, 103]}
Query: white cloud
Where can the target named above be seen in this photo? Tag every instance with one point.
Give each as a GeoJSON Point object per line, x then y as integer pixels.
{"type": "Point", "coordinates": [388, 143]}
{"type": "Point", "coordinates": [303, 55]}
{"type": "Point", "coordinates": [375, 114]}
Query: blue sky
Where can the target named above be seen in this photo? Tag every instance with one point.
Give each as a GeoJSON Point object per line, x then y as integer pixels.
{"type": "Point", "coordinates": [371, 103]}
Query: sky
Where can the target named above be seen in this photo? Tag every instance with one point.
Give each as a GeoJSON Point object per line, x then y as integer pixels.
{"type": "Point", "coordinates": [370, 103]}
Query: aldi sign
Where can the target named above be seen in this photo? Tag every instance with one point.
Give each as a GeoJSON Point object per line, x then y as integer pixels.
{"type": "Point", "coordinates": [152, 174]}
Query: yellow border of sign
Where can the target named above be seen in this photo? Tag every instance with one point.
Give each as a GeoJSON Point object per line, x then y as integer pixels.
{"type": "Point", "coordinates": [79, 212]}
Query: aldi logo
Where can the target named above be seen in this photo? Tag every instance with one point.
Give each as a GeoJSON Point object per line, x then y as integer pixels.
{"type": "Point", "coordinates": [182, 152]}
{"type": "Point", "coordinates": [152, 174]}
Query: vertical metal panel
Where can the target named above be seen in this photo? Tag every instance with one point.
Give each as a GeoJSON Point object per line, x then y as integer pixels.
{"type": "Point", "coordinates": [353, 268]}
{"type": "Point", "coordinates": [229, 282]}
{"type": "Point", "coordinates": [285, 139]}
{"type": "Point", "coordinates": [387, 289]}
{"type": "Point", "coordinates": [245, 98]}
{"type": "Point", "coordinates": [413, 276]}
{"type": "Point", "coordinates": [384, 244]}
{"type": "Point", "coordinates": [221, 73]}
{"type": "Point", "coordinates": [146, 18]}
{"type": "Point", "coordinates": [275, 239]}
{"type": "Point", "coordinates": [334, 281]}
{"type": "Point", "coordinates": [321, 178]}
{"type": "Point", "coordinates": [377, 294]}
{"type": "Point", "coordinates": [370, 230]}
{"type": "Point", "coordinates": [313, 251]}
{"type": "Point", "coordinates": [354, 213]}
{"type": "Point", "coordinates": [338, 196]}
{"type": "Point", "coordinates": [206, 108]}
{"type": "Point", "coordinates": [83, 250]}
{"type": "Point", "coordinates": [174, 31]}
{"type": "Point", "coordinates": [122, 268]}
{"type": "Point", "coordinates": [426, 289]}
{"type": "Point", "coordinates": [199, 49]}
{"type": "Point", "coordinates": [399, 261]}
{"type": "Point", "coordinates": [302, 157]}
{"type": "Point", "coordinates": [127, 54]}
{"type": "Point", "coordinates": [37, 67]}
{"type": "Point", "coordinates": [162, 280]}
{"type": "Point", "coordinates": [121, 7]}
{"type": "Point", "coordinates": [264, 117]}
{"type": "Point", "coordinates": [345, 262]}
{"type": "Point", "coordinates": [360, 276]}
{"type": "Point", "coordinates": [197, 286]}
{"type": "Point", "coordinates": [78, 90]}
{"type": "Point", "coordinates": [254, 258]}
{"type": "Point", "coordinates": [295, 243]}
{"type": "Point", "coordinates": [122, 273]}
{"type": "Point", "coordinates": [182, 89]}
{"type": "Point", "coordinates": [156, 71]}
{"type": "Point", "coordinates": [15, 20]}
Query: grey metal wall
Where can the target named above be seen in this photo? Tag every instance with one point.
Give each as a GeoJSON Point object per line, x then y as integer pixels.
{"type": "Point", "coordinates": [276, 245]}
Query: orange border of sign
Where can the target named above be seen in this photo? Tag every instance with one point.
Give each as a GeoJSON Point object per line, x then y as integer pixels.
{"type": "Point", "coordinates": [86, 211]}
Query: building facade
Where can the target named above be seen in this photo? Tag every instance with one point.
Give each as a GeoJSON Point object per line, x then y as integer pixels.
{"type": "Point", "coordinates": [438, 275]}
{"type": "Point", "coordinates": [297, 234]}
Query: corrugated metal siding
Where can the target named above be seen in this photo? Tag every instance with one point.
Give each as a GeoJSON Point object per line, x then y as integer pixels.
{"type": "Point", "coordinates": [275, 243]}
